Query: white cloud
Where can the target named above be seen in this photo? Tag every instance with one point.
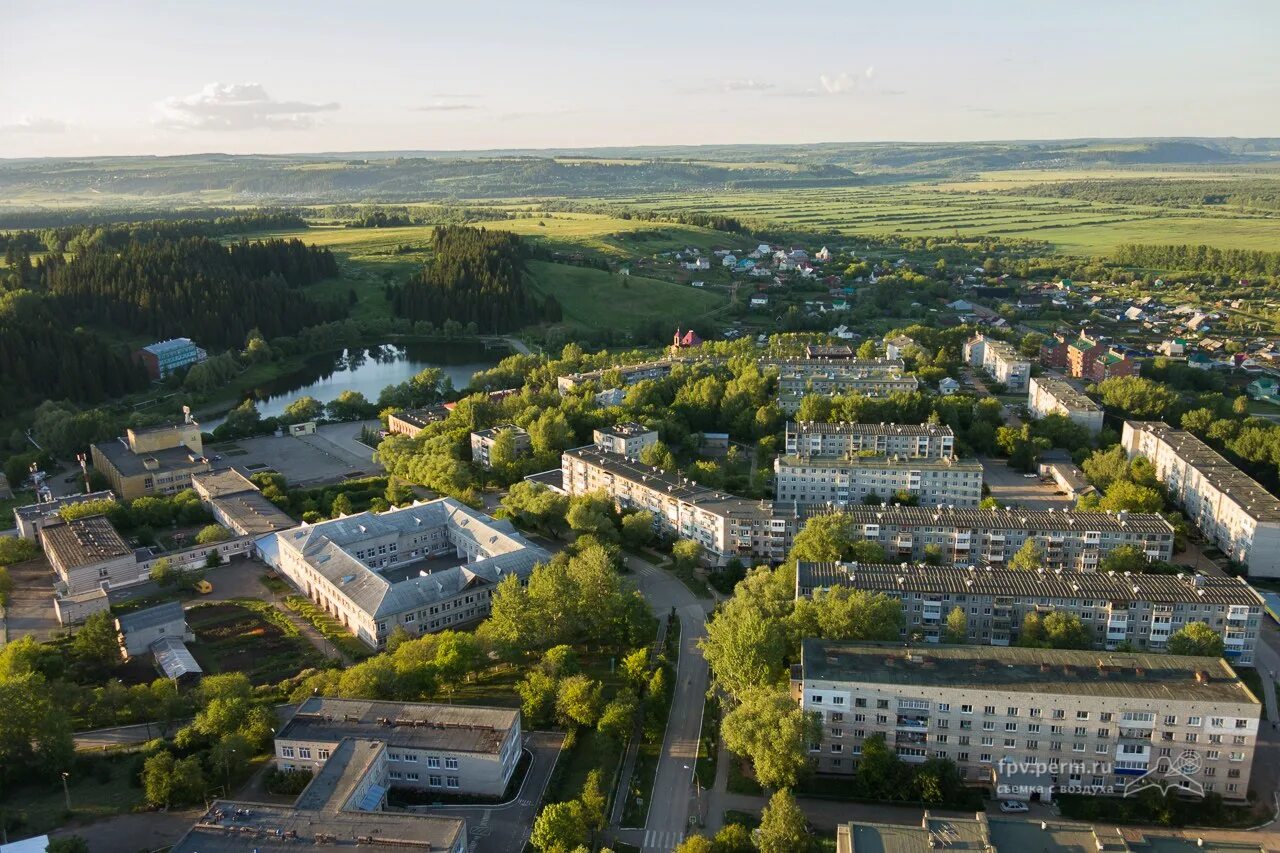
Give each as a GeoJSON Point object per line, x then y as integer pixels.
{"type": "Point", "coordinates": [237, 106]}
{"type": "Point", "coordinates": [34, 124]}
{"type": "Point", "coordinates": [746, 85]}
{"type": "Point", "coordinates": [441, 107]}
{"type": "Point", "coordinates": [844, 82]}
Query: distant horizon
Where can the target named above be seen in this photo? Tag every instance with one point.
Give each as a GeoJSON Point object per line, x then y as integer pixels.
{"type": "Point", "coordinates": [140, 77]}
{"type": "Point", "coordinates": [552, 149]}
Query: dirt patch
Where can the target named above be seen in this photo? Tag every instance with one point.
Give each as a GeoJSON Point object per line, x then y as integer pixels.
{"type": "Point", "coordinates": [234, 638]}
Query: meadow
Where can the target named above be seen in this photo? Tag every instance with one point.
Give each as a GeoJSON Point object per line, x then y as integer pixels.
{"type": "Point", "coordinates": [596, 299]}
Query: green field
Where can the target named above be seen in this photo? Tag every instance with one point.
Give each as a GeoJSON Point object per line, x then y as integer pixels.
{"type": "Point", "coordinates": [1072, 226]}
{"type": "Point", "coordinates": [597, 299]}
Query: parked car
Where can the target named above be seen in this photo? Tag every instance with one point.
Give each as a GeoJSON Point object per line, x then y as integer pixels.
{"type": "Point", "coordinates": [1013, 806]}
{"type": "Point", "coordinates": [1031, 476]}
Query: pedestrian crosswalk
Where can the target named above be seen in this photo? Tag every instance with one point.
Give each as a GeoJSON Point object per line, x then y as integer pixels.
{"type": "Point", "coordinates": [661, 842]}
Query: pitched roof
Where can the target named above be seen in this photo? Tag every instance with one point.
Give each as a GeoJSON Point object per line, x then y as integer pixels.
{"type": "Point", "coordinates": [162, 614]}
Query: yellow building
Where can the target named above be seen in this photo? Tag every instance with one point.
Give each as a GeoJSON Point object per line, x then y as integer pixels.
{"type": "Point", "coordinates": [152, 461]}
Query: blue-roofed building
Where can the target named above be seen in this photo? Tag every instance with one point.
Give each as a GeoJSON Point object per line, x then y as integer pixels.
{"type": "Point", "coordinates": [164, 357]}
{"type": "Point", "coordinates": [424, 568]}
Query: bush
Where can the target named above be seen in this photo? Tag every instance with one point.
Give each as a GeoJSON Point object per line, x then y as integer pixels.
{"type": "Point", "coordinates": [286, 782]}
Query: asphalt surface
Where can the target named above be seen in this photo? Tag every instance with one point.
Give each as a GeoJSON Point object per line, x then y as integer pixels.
{"type": "Point", "coordinates": [1010, 487]}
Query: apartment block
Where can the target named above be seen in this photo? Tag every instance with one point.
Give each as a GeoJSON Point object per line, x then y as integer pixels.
{"type": "Point", "coordinates": [413, 421]}
{"type": "Point", "coordinates": [1049, 396]}
{"type": "Point", "coordinates": [852, 479]}
{"type": "Point", "coordinates": [798, 378]}
{"type": "Point", "coordinates": [483, 440]}
{"type": "Point", "coordinates": [164, 357]}
{"type": "Point", "coordinates": [816, 438]}
{"type": "Point", "coordinates": [726, 526]}
{"type": "Point", "coordinates": [1139, 610]}
{"type": "Point", "coordinates": [453, 749]}
{"type": "Point", "coordinates": [1053, 351]}
{"type": "Point", "coordinates": [625, 439]}
{"type": "Point", "coordinates": [153, 461]}
{"type": "Point", "coordinates": [629, 373]}
{"type": "Point", "coordinates": [1048, 720]}
{"type": "Point", "coordinates": [897, 347]}
{"type": "Point", "coordinates": [1231, 509]}
{"type": "Point", "coordinates": [424, 568]}
{"type": "Point", "coordinates": [1069, 540]}
{"type": "Point", "coordinates": [1081, 354]}
{"type": "Point", "coordinates": [1000, 359]}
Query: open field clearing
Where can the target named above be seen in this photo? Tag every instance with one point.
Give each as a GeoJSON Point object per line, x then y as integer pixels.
{"type": "Point", "coordinates": [597, 299]}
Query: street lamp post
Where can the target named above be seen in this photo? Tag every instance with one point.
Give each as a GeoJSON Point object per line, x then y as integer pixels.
{"type": "Point", "coordinates": [66, 792]}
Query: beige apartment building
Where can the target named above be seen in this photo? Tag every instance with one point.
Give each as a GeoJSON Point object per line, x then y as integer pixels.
{"type": "Point", "coordinates": [1231, 509]}
{"type": "Point", "coordinates": [483, 440]}
{"type": "Point", "coordinates": [1142, 611]}
{"type": "Point", "coordinates": [1000, 359]}
{"type": "Point", "coordinates": [1035, 721]}
{"type": "Point", "coordinates": [626, 439]}
{"type": "Point", "coordinates": [423, 568]}
{"type": "Point", "coordinates": [153, 461]}
{"type": "Point", "coordinates": [453, 749]}
{"type": "Point", "coordinates": [852, 479]}
{"type": "Point", "coordinates": [1069, 540]}
{"type": "Point", "coordinates": [726, 526]}
{"type": "Point", "coordinates": [818, 438]}
{"type": "Point", "coordinates": [1047, 396]}
{"type": "Point", "coordinates": [798, 378]}
{"type": "Point", "coordinates": [629, 373]}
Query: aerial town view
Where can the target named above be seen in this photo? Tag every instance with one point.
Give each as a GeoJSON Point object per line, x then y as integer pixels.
{"type": "Point", "coordinates": [580, 427]}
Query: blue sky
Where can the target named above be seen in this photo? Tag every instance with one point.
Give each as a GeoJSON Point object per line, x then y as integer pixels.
{"type": "Point", "coordinates": [79, 78]}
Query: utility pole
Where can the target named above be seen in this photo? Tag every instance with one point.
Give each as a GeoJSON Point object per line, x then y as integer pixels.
{"type": "Point", "coordinates": [66, 792]}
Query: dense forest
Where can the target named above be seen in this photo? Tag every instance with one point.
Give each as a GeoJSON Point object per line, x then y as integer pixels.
{"type": "Point", "coordinates": [1233, 262]}
{"type": "Point", "coordinates": [76, 238]}
{"type": "Point", "coordinates": [41, 356]}
{"type": "Point", "coordinates": [193, 286]}
{"type": "Point", "coordinates": [1244, 195]}
{"type": "Point", "coordinates": [475, 276]}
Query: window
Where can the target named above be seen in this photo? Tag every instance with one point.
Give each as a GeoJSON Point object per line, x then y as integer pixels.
{"type": "Point", "coordinates": [814, 746]}
{"type": "Point", "coordinates": [837, 718]}
{"type": "Point", "coordinates": [1011, 712]}
{"type": "Point", "coordinates": [940, 739]}
{"type": "Point", "coordinates": [411, 757]}
{"type": "Point", "coordinates": [1105, 716]}
{"type": "Point", "coordinates": [433, 762]}
{"type": "Point", "coordinates": [989, 709]}
{"type": "Point", "coordinates": [451, 764]}
{"type": "Point", "coordinates": [1033, 728]}
{"type": "Point", "coordinates": [986, 741]}
{"type": "Point", "coordinates": [985, 758]}
{"type": "Point", "coordinates": [451, 782]}
{"type": "Point", "coordinates": [944, 707]}
{"type": "Point", "coordinates": [837, 732]}
{"type": "Point", "coordinates": [1191, 737]}
{"type": "Point", "coordinates": [1238, 740]}
{"type": "Point", "coordinates": [1082, 715]}
{"type": "Point", "coordinates": [1010, 727]}
{"type": "Point", "coordinates": [837, 747]}
{"type": "Point", "coordinates": [837, 700]}
{"type": "Point", "coordinates": [1216, 722]}
{"type": "Point", "coordinates": [882, 703]}
{"type": "Point", "coordinates": [1081, 731]}
{"type": "Point", "coordinates": [1236, 756]}
{"type": "Point", "coordinates": [942, 724]}
{"type": "Point", "coordinates": [435, 781]}
{"type": "Point", "coordinates": [1170, 720]}
{"type": "Point", "coordinates": [1242, 724]}
{"type": "Point", "coordinates": [966, 709]}
{"type": "Point", "coordinates": [412, 777]}
{"type": "Point", "coordinates": [286, 751]}
{"type": "Point", "coordinates": [1104, 733]}
{"type": "Point", "coordinates": [1193, 721]}
{"type": "Point", "coordinates": [859, 703]}
{"type": "Point", "coordinates": [1033, 744]}
{"type": "Point", "coordinates": [1059, 714]}
{"type": "Point", "coordinates": [1035, 712]}
{"type": "Point", "coordinates": [322, 754]}
{"type": "Point", "coordinates": [304, 752]}
{"type": "Point", "coordinates": [988, 726]}
{"type": "Point", "coordinates": [816, 698]}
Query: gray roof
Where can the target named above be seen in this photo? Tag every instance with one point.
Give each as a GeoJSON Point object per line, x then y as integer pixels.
{"type": "Point", "coordinates": [495, 431]}
{"type": "Point", "coordinates": [44, 508]}
{"type": "Point", "coordinates": [167, 613]}
{"type": "Point", "coordinates": [83, 541]}
{"type": "Point", "coordinates": [129, 463]}
{"type": "Point", "coordinates": [174, 658]}
{"type": "Point", "coordinates": [253, 513]}
{"type": "Point", "coordinates": [219, 484]}
{"type": "Point", "coordinates": [326, 546]}
{"type": "Point", "coordinates": [849, 463]}
{"type": "Point", "coordinates": [842, 428]}
{"type": "Point", "coordinates": [421, 417]}
{"type": "Point", "coordinates": [419, 725]}
{"type": "Point", "coordinates": [1035, 671]}
{"type": "Point", "coordinates": [1208, 589]}
{"type": "Point", "coordinates": [630, 429]}
{"type": "Point", "coordinates": [1066, 394]}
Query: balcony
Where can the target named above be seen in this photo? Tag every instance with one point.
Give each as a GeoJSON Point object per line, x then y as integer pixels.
{"type": "Point", "coordinates": [914, 724]}
{"type": "Point", "coordinates": [1238, 614]}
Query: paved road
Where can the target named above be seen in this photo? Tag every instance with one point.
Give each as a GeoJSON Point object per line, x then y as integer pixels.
{"type": "Point", "coordinates": [672, 798]}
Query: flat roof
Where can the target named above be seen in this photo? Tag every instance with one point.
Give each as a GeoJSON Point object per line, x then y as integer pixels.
{"type": "Point", "coordinates": [922, 578]}
{"type": "Point", "coordinates": [39, 510]}
{"type": "Point", "coordinates": [421, 417]}
{"type": "Point", "coordinates": [1036, 671]}
{"type": "Point", "coordinates": [253, 513]}
{"type": "Point", "coordinates": [494, 431]}
{"type": "Point", "coordinates": [227, 481]}
{"type": "Point", "coordinates": [1006, 519]}
{"type": "Point", "coordinates": [131, 464]}
{"type": "Point", "coordinates": [630, 429]}
{"type": "Point", "coordinates": [843, 428]}
{"type": "Point", "coordinates": [553, 479]}
{"type": "Point", "coordinates": [1066, 394]}
{"type": "Point", "coordinates": [1214, 467]}
{"type": "Point", "coordinates": [83, 541]}
{"type": "Point", "coordinates": [924, 463]}
{"type": "Point", "coordinates": [418, 725]}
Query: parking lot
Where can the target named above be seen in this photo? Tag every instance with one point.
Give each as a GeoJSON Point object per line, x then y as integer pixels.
{"type": "Point", "coordinates": [1010, 487]}
{"type": "Point", "coordinates": [331, 455]}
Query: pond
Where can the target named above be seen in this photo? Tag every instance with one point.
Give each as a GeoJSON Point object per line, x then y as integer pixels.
{"type": "Point", "coordinates": [368, 371]}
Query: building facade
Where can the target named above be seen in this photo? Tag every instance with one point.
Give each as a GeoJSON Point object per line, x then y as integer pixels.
{"type": "Point", "coordinates": [626, 439]}
{"type": "Point", "coordinates": [482, 443]}
{"type": "Point", "coordinates": [1141, 611]}
{"type": "Point", "coordinates": [375, 571]}
{"type": "Point", "coordinates": [629, 373]}
{"type": "Point", "coordinates": [854, 479]}
{"type": "Point", "coordinates": [816, 438]}
{"type": "Point", "coordinates": [1074, 541]}
{"type": "Point", "coordinates": [153, 461]}
{"type": "Point", "coordinates": [727, 527]}
{"type": "Point", "coordinates": [1093, 723]}
{"type": "Point", "coordinates": [413, 421]}
{"type": "Point", "coordinates": [164, 357]}
{"type": "Point", "coordinates": [1048, 396]}
{"type": "Point", "coordinates": [1000, 359]}
{"type": "Point", "coordinates": [798, 378]}
{"type": "Point", "coordinates": [1231, 509]}
{"type": "Point", "coordinates": [452, 749]}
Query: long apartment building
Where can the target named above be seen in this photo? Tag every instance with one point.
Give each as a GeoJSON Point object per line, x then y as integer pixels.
{"type": "Point", "coordinates": [630, 374]}
{"type": "Point", "coordinates": [452, 749]}
{"type": "Point", "coordinates": [726, 526]}
{"type": "Point", "coordinates": [424, 568]}
{"type": "Point", "coordinates": [1002, 360]}
{"type": "Point", "coordinates": [878, 377]}
{"type": "Point", "coordinates": [841, 481]}
{"type": "Point", "coordinates": [1047, 396]}
{"type": "Point", "coordinates": [818, 438]}
{"type": "Point", "coordinates": [1069, 540]}
{"type": "Point", "coordinates": [1231, 509]}
{"type": "Point", "coordinates": [1049, 719]}
{"type": "Point", "coordinates": [1140, 610]}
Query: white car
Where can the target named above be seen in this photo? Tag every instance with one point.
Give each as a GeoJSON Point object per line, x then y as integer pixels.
{"type": "Point", "coordinates": [1013, 806]}
{"type": "Point", "coordinates": [1030, 476]}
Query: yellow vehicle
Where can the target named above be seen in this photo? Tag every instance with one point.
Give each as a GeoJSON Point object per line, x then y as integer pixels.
{"type": "Point", "coordinates": [204, 587]}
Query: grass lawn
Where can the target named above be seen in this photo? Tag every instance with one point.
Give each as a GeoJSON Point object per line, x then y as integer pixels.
{"type": "Point", "coordinates": [1253, 680]}
{"type": "Point", "coordinates": [640, 787]}
{"type": "Point", "coordinates": [99, 787]}
{"type": "Point", "coordinates": [708, 743]}
{"type": "Point", "coordinates": [590, 751]}
{"type": "Point", "coordinates": [329, 627]}
{"type": "Point", "coordinates": [595, 299]}
{"type": "Point", "coordinates": [739, 782]}
{"type": "Point", "coordinates": [7, 506]}
{"type": "Point", "coordinates": [249, 637]}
